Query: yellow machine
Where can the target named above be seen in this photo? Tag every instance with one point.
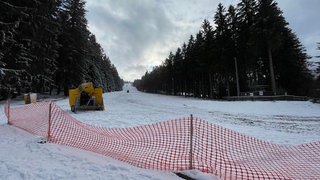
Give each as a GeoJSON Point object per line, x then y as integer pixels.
{"type": "Point", "coordinates": [86, 97]}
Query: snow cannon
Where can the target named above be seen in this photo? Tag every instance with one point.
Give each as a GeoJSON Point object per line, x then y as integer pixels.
{"type": "Point", "coordinates": [86, 97]}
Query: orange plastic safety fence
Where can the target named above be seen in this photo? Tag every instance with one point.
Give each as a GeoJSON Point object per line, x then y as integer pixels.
{"type": "Point", "coordinates": [162, 146]}
{"type": "Point", "coordinates": [33, 118]}
{"type": "Point", "coordinates": [232, 155]}
{"type": "Point", "coordinates": [166, 145]}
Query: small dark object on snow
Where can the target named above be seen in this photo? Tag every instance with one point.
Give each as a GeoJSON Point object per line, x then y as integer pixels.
{"type": "Point", "coordinates": [127, 91]}
{"type": "Point", "coordinates": [183, 176]}
{"type": "Point", "coordinates": [42, 141]}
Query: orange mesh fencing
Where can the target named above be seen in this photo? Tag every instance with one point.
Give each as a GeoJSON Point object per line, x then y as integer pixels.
{"type": "Point", "coordinates": [33, 118]}
{"type": "Point", "coordinates": [175, 145]}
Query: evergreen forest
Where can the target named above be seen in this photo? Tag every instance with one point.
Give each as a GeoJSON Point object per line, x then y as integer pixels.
{"type": "Point", "coordinates": [248, 47]}
{"type": "Point", "coordinates": [46, 46]}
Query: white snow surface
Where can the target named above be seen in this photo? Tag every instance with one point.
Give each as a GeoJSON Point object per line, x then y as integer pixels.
{"type": "Point", "coordinates": [22, 157]}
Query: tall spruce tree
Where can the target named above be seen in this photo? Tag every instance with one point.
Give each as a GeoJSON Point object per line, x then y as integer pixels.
{"type": "Point", "coordinates": [318, 68]}
{"type": "Point", "coordinates": [208, 59]}
{"type": "Point", "coordinates": [199, 65]}
{"type": "Point", "coordinates": [14, 53]}
{"type": "Point", "coordinates": [316, 92]}
{"type": "Point", "coordinates": [44, 29]}
{"type": "Point", "coordinates": [222, 58]}
{"type": "Point", "coordinates": [93, 67]}
{"type": "Point", "coordinates": [190, 65]}
{"type": "Point", "coordinates": [255, 34]}
{"type": "Point", "coordinates": [45, 44]}
{"type": "Point", "coordinates": [318, 63]}
{"type": "Point", "coordinates": [269, 28]}
{"type": "Point", "coordinates": [233, 87]}
{"type": "Point", "coordinates": [281, 50]}
{"type": "Point", "coordinates": [246, 12]}
{"type": "Point", "coordinates": [73, 40]}
{"type": "Point", "coordinates": [28, 45]}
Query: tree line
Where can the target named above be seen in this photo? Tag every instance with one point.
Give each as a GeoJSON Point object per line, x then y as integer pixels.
{"type": "Point", "coordinates": [46, 45]}
{"type": "Point", "coordinates": [317, 82]}
{"type": "Point", "coordinates": [247, 48]}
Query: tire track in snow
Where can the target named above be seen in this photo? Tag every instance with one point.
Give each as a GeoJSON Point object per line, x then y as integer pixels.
{"type": "Point", "coordinates": [282, 123]}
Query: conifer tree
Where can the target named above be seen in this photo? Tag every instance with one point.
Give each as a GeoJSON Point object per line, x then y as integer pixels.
{"type": "Point", "coordinates": [73, 40]}
{"type": "Point", "coordinates": [28, 44]}
{"type": "Point", "coordinates": [246, 12]}
{"type": "Point", "coordinates": [269, 28]}
{"type": "Point", "coordinates": [44, 29]}
{"type": "Point", "coordinates": [14, 55]}
{"type": "Point", "coordinates": [316, 92]}
{"type": "Point", "coordinates": [268, 55]}
{"type": "Point", "coordinates": [46, 45]}
{"type": "Point", "coordinates": [318, 63]}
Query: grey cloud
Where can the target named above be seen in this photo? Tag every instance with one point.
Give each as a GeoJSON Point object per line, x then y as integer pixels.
{"type": "Point", "coordinates": [139, 34]}
{"type": "Point", "coordinates": [303, 17]}
{"type": "Point", "coordinates": [130, 28]}
{"type": "Point", "coordinates": [132, 70]}
{"type": "Point", "coordinates": [144, 31]}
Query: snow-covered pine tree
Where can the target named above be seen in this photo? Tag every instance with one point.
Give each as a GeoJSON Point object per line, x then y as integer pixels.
{"type": "Point", "coordinates": [14, 53]}
{"type": "Point", "coordinates": [43, 31]}
{"type": "Point", "coordinates": [74, 40]}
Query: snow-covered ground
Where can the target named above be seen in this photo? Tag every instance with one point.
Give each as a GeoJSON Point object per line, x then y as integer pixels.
{"type": "Point", "coordinates": [22, 157]}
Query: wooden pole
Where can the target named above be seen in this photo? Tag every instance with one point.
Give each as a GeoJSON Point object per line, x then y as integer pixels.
{"type": "Point", "coordinates": [272, 78]}
{"type": "Point", "coordinates": [191, 144]}
{"type": "Point", "coordinates": [49, 125]}
{"type": "Point", "coordinates": [237, 76]}
{"type": "Point", "coordinates": [8, 106]}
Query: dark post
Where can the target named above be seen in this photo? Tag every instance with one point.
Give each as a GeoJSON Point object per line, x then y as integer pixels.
{"type": "Point", "coordinates": [49, 125]}
{"type": "Point", "coordinates": [191, 137]}
{"type": "Point", "coordinates": [237, 76]}
{"type": "Point", "coordinates": [273, 81]}
{"type": "Point", "coordinates": [8, 106]}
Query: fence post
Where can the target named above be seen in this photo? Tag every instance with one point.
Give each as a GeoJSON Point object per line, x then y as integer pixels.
{"type": "Point", "coordinates": [191, 138]}
{"type": "Point", "coordinates": [49, 125]}
{"type": "Point", "coordinates": [8, 109]}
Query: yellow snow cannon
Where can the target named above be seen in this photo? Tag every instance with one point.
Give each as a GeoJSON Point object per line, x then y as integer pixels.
{"type": "Point", "coordinates": [86, 97]}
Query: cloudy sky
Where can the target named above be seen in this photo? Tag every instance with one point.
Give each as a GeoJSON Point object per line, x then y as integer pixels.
{"type": "Point", "coordinates": [139, 34]}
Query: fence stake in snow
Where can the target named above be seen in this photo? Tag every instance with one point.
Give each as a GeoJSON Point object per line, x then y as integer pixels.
{"type": "Point", "coordinates": [49, 138]}
{"type": "Point", "coordinates": [191, 134]}
{"type": "Point", "coordinates": [8, 109]}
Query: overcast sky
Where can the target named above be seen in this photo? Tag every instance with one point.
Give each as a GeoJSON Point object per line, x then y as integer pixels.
{"type": "Point", "coordinates": [139, 34]}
